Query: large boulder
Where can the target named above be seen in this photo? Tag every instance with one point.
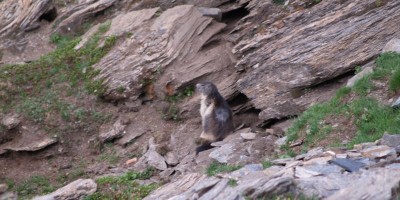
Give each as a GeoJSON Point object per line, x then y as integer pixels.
{"type": "Point", "coordinates": [309, 47]}
{"type": "Point", "coordinates": [160, 50]}
{"type": "Point", "coordinates": [75, 190]}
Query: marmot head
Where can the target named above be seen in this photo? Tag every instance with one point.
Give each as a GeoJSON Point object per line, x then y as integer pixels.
{"type": "Point", "coordinates": [206, 88]}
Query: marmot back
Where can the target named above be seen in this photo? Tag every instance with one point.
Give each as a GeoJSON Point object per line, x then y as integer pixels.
{"type": "Point", "coordinates": [216, 115]}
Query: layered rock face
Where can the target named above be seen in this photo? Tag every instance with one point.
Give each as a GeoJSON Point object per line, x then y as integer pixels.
{"type": "Point", "coordinates": [309, 47]}
{"type": "Point", "coordinates": [168, 50]}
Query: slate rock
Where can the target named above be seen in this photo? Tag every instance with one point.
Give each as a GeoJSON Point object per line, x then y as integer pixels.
{"type": "Point", "coordinates": [75, 190]}
{"type": "Point", "coordinates": [11, 121]}
{"type": "Point", "coordinates": [392, 45]}
{"type": "Point", "coordinates": [390, 140]}
{"type": "Point", "coordinates": [380, 151]}
{"type": "Point", "coordinates": [348, 164]}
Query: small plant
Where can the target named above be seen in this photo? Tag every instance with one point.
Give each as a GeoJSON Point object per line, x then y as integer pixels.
{"type": "Point", "coordinates": [111, 157]}
{"type": "Point", "coordinates": [217, 167]}
{"type": "Point", "coordinates": [266, 164]}
{"type": "Point", "coordinates": [281, 2]}
{"type": "Point", "coordinates": [36, 185]}
{"type": "Point", "coordinates": [232, 183]}
{"type": "Point", "coordinates": [124, 186]}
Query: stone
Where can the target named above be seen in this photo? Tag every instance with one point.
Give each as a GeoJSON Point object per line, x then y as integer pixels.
{"type": "Point", "coordinates": [324, 169]}
{"type": "Point", "coordinates": [362, 146]}
{"type": "Point", "coordinates": [131, 161]}
{"type": "Point", "coordinates": [152, 158]}
{"type": "Point", "coordinates": [281, 141]}
{"type": "Point", "coordinates": [396, 104]}
{"type": "Point", "coordinates": [75, 190]}
{"type": "Point", "coordinates": [390, 140]}
{"type": "Point", "coordinates": [392, 45]}
{"type": "Point", "coordinates": [211, 12]}
{"type": "Point", "coordinates": [348, 164]}
{"type": "Point", "coordinates": [318, 161]}
{"type": "Point", "coordinates": [354, 154]}
{"type": "Point", "coordinates": [117, 130]}
{"type": "Point", "coordinates": [342, 155]}
{"type": "Point", "coordinates": [182, 184]}
{"type": "Point", "coordinates": [168, 46]}
{"type": "Point", "coordinates": [33, 145]}
{"type": "Point", "coordinates": [322, 186]}
{"type": "Point", "coordinates": [9, 196]}
{"type": "Point", "coordinates": [3, 188]}
{"type": "Point", "coordinates": [301, 172]}
{"type": "Point", "coordinates": [11, 121]}
{"type": "Point", "coordinates": [72, 20]}
{"type": "Point", "coordinates": [328, 53]}
{"type": "Point", "coordinates": [282, 161]}
{"type": "Point", "coordinates": [358, 76]}
{"type": "Point", "coordinates": [132, 132]}
{"type": "Point", "coordinates": [313, 153]}
{"type": "Point", "coordinates": [248, 136]}
{"type": "Point", "coordinates": [375, 184]}
{"type": "Point", "coordinates": [223, 153]}
{"type": "Point", "coordinates": [171, 159]}
{"type": "Point", "coordinates": [378, 151]}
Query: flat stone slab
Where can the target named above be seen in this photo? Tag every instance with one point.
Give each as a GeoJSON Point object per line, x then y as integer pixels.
{"type": "Point", "coordinates": [348, 164]}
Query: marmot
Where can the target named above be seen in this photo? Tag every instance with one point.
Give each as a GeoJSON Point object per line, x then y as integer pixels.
{"type": "Point", "coordinates": [216, 116]}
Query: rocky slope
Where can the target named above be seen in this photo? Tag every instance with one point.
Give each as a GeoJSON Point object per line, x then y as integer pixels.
{"type": "Point", "coordinates": [270, 61]}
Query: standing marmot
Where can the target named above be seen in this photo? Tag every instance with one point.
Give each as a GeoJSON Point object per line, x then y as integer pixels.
{"type": "Point", "coordinates": [215, 114]}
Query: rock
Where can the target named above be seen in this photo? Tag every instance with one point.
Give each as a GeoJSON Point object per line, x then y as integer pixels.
{"type": "Point", "coordinates": [9, 196]}
{"type": "Point", "coordinates": [322, 186]}
{"type": "Point", "coordinates": [131, 161]}
{"type": "Point", "coordinates": [15, 17]}
{"type": "Point", "coordinates": [152, 158]}
{"type": "Point", "coordinates": [282, 161]}
{"type": "Point", "coordinates": [342, 155]}
{"type": "Point", "coordinates": [326, 52]}
{"type": "Point", "coordinates": [132, 132]}
{"type": "Point", "coordinates": [248, 136]}
{"type": "Point", "coordinates": [11, 121]}
{"type": "Point", "coordinates": [363, 145]}
{"type": "Point", "coordinates": [171, 159]}
{"type": "Point", "coordinates": [181, 39]}
{"type": "Point", "coordinates": [179, 186]}
{"type": "Point", "coordinates": [72, 20]}
{"type": "Point", "coordinates": [318, 161]}
{"type": "Point", "coordinates": [324, 169]}
{"type": "Point", "coordinates": [116, 131]}
{"type": "Point", "coordinates": [354, 154]}
{"type": "Point", "coordinates": [34, 145]}
{"type": "Point", "coordinates": [378, 151]}
{"type": "Point", "coordinates": [396, 104]}
{"type": "Point", "coordinates": [3, 188]}
{"type": "Point", "coordinates": [75, 190]}
{"type": "Point", "coordinates": [348, 164]}
{"type": "Point", "coordinates": [375, 184]}
{"type": "Point", "coordinates": [390, 140]}
{"type": "Point", "coordinates": [313, 153]}
{"type": "Point", "coordinates": [301, 172]}
{"type": "Point", "coordinates": [281, 141]}
{"type": "Point", "coordinates": [239, 152]}
{"type": "Point", "coordinates": [392, 45]}
{"type": "Point", "coordinates": [211, 12]}
{"type": "Point", "coordinates": [358, 76]}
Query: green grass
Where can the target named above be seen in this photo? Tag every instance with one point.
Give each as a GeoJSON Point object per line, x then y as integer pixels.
{"type": "Point", "coordinates": [36, 185]}
{"type": "Point", "coordinates": [124, 186]}
{"type": "Point", "coordinates": [217, 167]}
{"type": "Point", "coordinates": [110, 156]}
{"type": "Point", "coordinates": [371, 118]}
{"type": "Point", "coordinates": [232, 183]}
{"type": "Point", "coordinates": [266, 164]}
{"type": "Point", "coordinates": [41, 91]}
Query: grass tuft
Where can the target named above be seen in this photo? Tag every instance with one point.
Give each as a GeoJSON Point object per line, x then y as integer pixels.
{"type": "Point", "coordinates": [217, 167]}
